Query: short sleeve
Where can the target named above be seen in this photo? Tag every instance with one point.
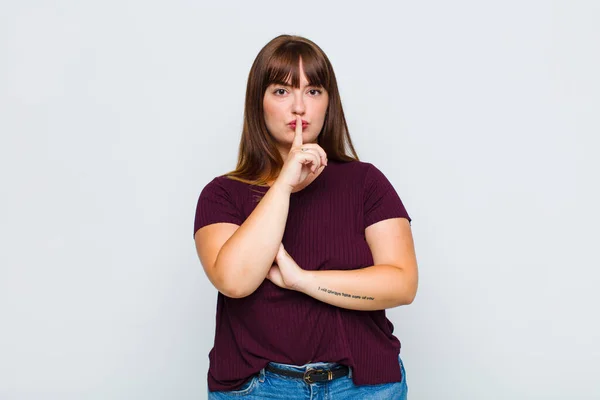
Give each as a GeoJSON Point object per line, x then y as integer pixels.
{"type": "Point", "coordinates": [381, 201]}
{"type": "Point", "coordinates": [216, 204]}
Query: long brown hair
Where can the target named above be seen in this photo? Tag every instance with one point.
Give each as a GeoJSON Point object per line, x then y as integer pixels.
{"type": "Point", "coordinates": [259, 161]}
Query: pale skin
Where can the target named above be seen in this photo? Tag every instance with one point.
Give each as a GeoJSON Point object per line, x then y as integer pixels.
{"type": "Point", "coordinates": [283, 104]}
{"type": "Point", "coordinates": [225, 248]}
{"type": "Point", "coordinates": [391, 282]}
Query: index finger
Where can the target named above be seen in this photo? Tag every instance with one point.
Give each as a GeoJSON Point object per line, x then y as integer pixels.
{"type": "Point", "coordinates": [298, 135]}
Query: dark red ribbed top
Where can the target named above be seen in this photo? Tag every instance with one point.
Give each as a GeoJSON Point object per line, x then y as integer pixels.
{"type": "Point", "coordinates": [325, 230]}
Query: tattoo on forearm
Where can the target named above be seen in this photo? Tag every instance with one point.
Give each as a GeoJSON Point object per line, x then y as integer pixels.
{"type": "Point", "coordinates": [353, 296]}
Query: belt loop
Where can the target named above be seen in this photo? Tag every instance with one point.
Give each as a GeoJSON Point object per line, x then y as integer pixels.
{"type": "Point", "coordinates": [261, 375]}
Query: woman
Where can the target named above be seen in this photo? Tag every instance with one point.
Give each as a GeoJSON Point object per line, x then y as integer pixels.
{"type": "Point", "coordinates": [306, 245]}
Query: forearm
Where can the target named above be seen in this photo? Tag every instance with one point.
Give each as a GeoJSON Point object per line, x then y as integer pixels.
{"type": "Point", "coordinates": [245, 259]}
{"type": "Point", "coordinates": [376, 287]}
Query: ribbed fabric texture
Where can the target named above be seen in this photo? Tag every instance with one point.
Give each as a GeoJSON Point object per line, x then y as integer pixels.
{"type": "Point", "coordinates": [325, 230]}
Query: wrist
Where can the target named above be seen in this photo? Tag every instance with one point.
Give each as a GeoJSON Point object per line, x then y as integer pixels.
{"type": "Point", "coordinates": [307, 281]}
{"type": "Point", "coordinates": [282, 187]}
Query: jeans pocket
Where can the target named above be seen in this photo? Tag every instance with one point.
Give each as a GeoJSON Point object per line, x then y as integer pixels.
{"type": "Point", "coordinates": [247, 388]}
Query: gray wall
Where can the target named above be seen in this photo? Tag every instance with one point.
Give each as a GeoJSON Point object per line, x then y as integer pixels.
{"type": "Point", "coordinates": [115, 114]}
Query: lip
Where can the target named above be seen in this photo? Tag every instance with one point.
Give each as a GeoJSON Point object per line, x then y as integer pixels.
{"type": "Point", "coordinates": [293, 123]}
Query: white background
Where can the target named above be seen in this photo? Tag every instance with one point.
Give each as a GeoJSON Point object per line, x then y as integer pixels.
{"type": "Point", "coordinates": [115, 114]}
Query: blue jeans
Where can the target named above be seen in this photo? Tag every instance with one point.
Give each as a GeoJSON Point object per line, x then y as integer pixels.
{"type": "Point", "coordinates": [268, 385]}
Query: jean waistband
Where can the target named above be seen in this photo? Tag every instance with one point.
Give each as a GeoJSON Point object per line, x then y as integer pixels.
{"type": "Point", "coordinates": [304, 367]}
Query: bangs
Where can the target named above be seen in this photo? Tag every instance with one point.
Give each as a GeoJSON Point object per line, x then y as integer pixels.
{"type": "Point", "coordinates": [285, 65]}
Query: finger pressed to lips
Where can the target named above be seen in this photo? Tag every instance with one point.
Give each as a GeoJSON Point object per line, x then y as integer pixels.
{"type": "Point", "coordinates": [298, 142]}
{"type": "Point", "coordinates": [298, 136]}
{"type": "Point", "coordinates": [298, 120]}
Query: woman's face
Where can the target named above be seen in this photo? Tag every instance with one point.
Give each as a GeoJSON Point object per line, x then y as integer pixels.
{"type": "Point", "coordinates": [282, 103]}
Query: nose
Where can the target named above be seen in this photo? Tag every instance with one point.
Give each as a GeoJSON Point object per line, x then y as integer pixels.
{"type": "Point", "coordinates": [298, 107]}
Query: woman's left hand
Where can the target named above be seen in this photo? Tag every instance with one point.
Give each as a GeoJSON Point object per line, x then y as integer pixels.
{"type": "Point", "coordinates": [285, 273]}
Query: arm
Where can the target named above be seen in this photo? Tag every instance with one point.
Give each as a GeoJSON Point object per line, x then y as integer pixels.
{"type": "Point", "coordinates": [245, 258]}
{"type": "Point", "coordinates": [237, 258]}
{"type": "Point", "coordinates": [372, 288]}
{"type": "Point", "coordinates": [391, 282]}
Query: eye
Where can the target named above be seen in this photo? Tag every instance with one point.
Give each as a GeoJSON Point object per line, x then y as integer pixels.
{"type": "Point", "coordinates": [316, 90]}
{"type": "Point", "coordinates": [278, 91]}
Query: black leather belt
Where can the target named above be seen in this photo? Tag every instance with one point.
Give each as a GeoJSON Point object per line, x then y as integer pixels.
{"type": "Point", "coordinates": [312, 375]}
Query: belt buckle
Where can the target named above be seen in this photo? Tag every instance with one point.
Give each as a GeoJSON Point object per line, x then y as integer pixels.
{"type": "Point", "coordinates": [307, 378]}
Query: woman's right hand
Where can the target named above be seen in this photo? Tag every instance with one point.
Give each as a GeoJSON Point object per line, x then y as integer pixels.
{"type": "Point", "coordinates": [299, 164]}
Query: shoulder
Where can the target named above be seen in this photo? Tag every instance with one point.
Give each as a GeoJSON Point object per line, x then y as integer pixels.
{"type": "Point", "coordinates": [361, 171]}
{"type": "Point", "coordinates": [358, 175]}
{"type": "Point", "coordinates": [219, 201]}
{"type": "Point", "coordinates": [225, 185]}
{"type": "Point", "coordinates": [360, 168]}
